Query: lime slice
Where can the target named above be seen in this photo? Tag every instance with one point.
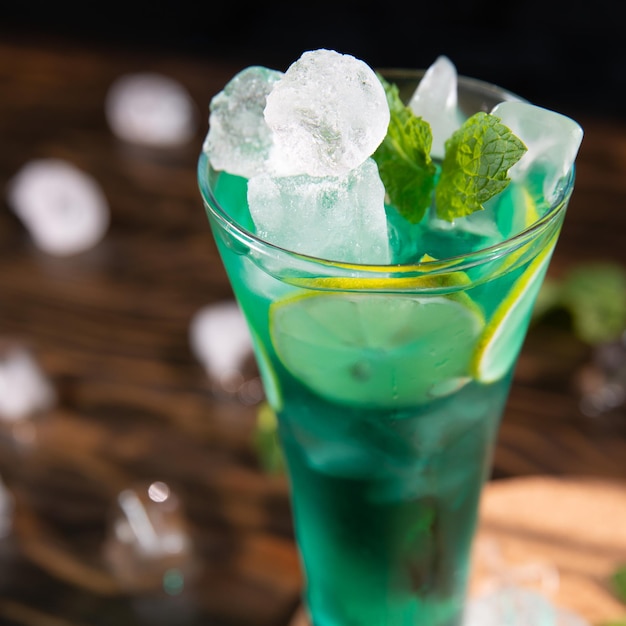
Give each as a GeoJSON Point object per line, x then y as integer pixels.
{"type": "Point", "coordinates": [503, 336]}
{"type": "Point", "coordinates": [268, 377]}
{"type": "Point", "coordinates": [517, 210]}
{"type": "Point", "coordinates": [451, 279]}
{"type": "Point", "coordinates": [376, 350]}
{"type": "Point", "coordinates": [429, 280]}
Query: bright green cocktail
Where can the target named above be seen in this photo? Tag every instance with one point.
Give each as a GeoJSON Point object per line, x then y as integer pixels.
{"type": "Point", "coordinates": [389, 383]}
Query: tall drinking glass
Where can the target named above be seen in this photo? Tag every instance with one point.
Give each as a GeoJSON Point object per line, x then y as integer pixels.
{"type": "Point", "coordinates": [389, 383]}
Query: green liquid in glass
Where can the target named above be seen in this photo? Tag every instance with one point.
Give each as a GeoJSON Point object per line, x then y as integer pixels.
{"type": "Point", "coordinates": [387, 429]}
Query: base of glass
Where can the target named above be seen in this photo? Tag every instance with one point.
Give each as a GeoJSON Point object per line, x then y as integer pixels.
{"type": "Point", "coordinates": [510, 606]}
{"type": "Point", "coordinates": [531, 532]}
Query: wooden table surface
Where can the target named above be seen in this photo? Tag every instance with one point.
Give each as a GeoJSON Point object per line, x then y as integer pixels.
{"type": "Point", "coordinates": [110, 328]}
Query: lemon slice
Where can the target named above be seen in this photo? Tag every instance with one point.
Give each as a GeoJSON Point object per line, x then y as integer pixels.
{"type": "Point", "coordinates": [376, 350]}
{"type": "Point", "coordinates": [504, 334]}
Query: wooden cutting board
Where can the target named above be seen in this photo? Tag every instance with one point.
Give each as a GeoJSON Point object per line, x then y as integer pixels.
{"type": "Point", "coordinates": [562, 537]}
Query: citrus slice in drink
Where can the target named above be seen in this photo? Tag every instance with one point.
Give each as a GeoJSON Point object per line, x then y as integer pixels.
{"type": "Point", "coordinates": [504, 334]}
{"type": "Point", "coordinates": [436, 281]}
{"type": "Point", "coordinates": [376, 350]}
{"type": "Point", "coordinates": [271, 386]}
{"type": "Point", "coordinates": [517, 210]}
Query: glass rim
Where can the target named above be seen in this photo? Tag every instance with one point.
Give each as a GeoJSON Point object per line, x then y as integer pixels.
{"type": "Point", "coordinates": [352, 270]}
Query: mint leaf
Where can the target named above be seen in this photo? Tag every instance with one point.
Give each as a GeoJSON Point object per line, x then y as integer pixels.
{"type": "Point", "coordinates": [403, 159]}
{"type": "Point", "coordinates": [619, 583]}
{"type": "Point", "coordinates": [595, 296]}
{"type": "Point", "coordinates": [477, 159]}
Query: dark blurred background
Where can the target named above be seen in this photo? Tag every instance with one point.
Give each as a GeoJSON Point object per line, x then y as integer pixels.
{"type": "Point", "coordinates": [558, 53]}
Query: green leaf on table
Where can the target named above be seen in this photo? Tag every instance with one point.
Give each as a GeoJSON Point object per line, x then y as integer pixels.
{"type": "Point", "coordinates": [475, 166]}
{"type": "Point", "coordinates": [267, 445]}
{"type": "Point", "coordinates": [595, 296]}
{"type": "Point", "coordinates": [619, 583]}
{"type": "Point", "coordinates": [404, 161]}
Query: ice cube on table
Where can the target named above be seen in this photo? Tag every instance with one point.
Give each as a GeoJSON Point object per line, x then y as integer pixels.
{"type": "Point", "coordinates": [328, 114]}
{"type": "Point", "coordinates": [239, 140]}
{"type": "Point", "coordinates": [148, 537]}
{"type": "Point", "coordinates": [62, 207]}
{"type": "Point", "coordinates": [516, 606]}
{"type": "Point", "coordinates": [24, 388]}
{"type": "Point", "coordinates": [152, 109]}
{"type": "Point", "coordinates": [436, 101]}
{"type": "Point", "coordinates": [220, 340]}
{"type": "Point", "coordinates": [552, 140]}
{"type": "Point", "coordinates": [339, 218]}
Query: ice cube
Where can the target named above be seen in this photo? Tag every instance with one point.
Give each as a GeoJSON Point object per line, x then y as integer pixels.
{"type": "Point", "coordinates": [328, 113]}
{"type": "Point", "coordinates": [63, 208]}
{"type": "Point", "coordinates": [239, 140]}
{"type": "Point", "coordinates": [152, 109]}
{"type": "Point", "coordinates": [515, 606]}
{"type": "Point", "coordinates": [338, 218]}
{"type": "Point", "coordinates": [24, 388]}
{"type": "Point", "coordinates": [552, 140]}
{"type": "Point", "coordinates": [148, 537]}
{"type": "Point", "coordinates": [435, 100]}
{"type": "Point", "coordinates": [220, 340]}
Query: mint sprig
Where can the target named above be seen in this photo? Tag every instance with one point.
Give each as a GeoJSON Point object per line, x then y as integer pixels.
{"type": "Point", "coordinates": [474, 169]}
{"type": "Point", "coordinates": [475, 166]}
{"type": "Point", "coordinates": [594, 295]}
{"type": "Point", "coordinates": [404, 161]}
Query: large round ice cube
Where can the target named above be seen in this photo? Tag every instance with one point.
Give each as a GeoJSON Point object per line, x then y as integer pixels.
{"type": "Point", "coordinates": [328, 113]}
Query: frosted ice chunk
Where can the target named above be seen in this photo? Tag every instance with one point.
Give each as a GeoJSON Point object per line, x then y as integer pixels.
{"type": "Point", "coordinates": [152, 109]}
{"type": "Point", "coordinates": [552, 140]}
{"type": "Point", "coordinates": [328, 113]}
{"type": "Point", "coordinates": [220, 339]}
{"type": "Point", "coordinates": [435, 100]}
{"type": "Point", "coordinates": [24, 388]}
{"type": "Point", "coordinates": [337, 218]}
{"type": "Point", "coordinates": [239, 140]}
{"type": "Point", "coordinates": [63, 208]}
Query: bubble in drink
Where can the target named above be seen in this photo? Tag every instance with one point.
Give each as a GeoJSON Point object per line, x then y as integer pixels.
{"type": "Point", "coordinates": [435, 100]}
{"type": "Point", "coordinates": [328, 113]}
{"type": "Point", "coordinates": [552, 140]}
{"type": "Point", "coordinates": [239, 140]}
{"type": "Point", "coordinates": [334, 217]}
